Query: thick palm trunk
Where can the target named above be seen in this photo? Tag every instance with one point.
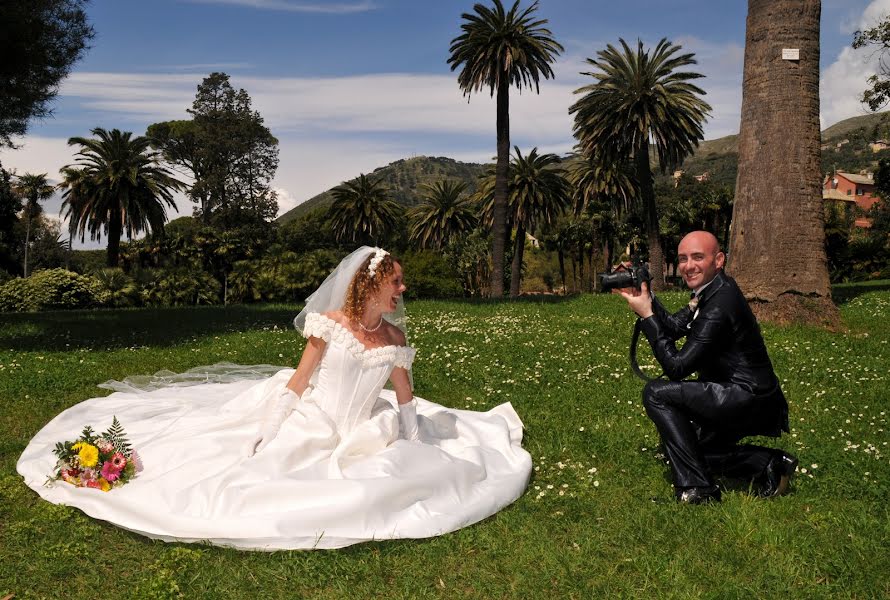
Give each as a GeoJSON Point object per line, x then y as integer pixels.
{"type": "Point", "coordinates": [562, 269]}
{"type": "Point", "coordinates": [115, 228]}
{"type": "Point", "coordinates": [499, 208]}
{"type": "Point", "coordinates": [516, 268]}
{"type": "Point", "coordinates": [777, 251]}
{"type": "Point", "coordinates": [653, 236]}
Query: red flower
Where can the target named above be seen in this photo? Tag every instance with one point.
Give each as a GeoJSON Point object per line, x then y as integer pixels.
{"type": "Point", "coordinates": [119, 461]}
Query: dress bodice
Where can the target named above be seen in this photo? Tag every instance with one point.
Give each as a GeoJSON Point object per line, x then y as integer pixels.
{"type": "Point", "coordinates": [349, 377]}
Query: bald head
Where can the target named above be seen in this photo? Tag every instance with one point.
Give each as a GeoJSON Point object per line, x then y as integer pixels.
{"type": "Point", "coordinates": [701, 239]}
{"type": "Point", "coordinates": [700, 258]}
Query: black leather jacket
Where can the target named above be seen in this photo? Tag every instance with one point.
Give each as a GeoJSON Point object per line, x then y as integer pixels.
{"type": "Point", "coordinates": [723, 340]}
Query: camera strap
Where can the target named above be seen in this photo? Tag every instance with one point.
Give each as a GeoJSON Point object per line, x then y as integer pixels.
{"type": "Point", "coordinates": [634, 365]}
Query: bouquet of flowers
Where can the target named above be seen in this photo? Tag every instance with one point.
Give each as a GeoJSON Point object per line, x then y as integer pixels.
{"type": "Point", "coordinates": [102, 461]}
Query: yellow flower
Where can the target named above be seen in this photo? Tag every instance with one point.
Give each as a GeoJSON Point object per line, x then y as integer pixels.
{"type": "Point", "coordinates": [104, 485]}
{"type": "Point", "coordinates": [88, 455]}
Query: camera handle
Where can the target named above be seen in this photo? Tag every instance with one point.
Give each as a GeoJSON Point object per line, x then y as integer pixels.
{"type": "Point", "coordinates": [634, 365]}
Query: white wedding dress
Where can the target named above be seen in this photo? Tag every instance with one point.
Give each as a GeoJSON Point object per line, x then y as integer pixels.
{"type": "Point", "coordinates": [336, 474]}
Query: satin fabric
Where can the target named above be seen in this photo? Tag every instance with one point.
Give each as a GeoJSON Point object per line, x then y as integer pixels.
{"type": "Point", "coordinates": [335, 475]}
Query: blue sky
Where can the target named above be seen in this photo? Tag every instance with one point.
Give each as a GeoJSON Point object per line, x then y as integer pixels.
{"type": "Point", "coordinates": [350, 85]}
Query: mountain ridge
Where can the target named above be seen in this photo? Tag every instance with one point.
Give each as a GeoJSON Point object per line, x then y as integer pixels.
{"type": "Point", "coordinates": [845, 147]}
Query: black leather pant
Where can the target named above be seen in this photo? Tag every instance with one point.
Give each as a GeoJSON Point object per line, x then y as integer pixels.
{"type": "Point", "coordinates": [700, 424]}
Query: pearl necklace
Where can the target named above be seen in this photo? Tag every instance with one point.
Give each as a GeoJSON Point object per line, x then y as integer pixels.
{"type": "Point", "coordinates": [371, 329]}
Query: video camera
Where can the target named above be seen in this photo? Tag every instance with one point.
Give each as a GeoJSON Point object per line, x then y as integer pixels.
{"type": "Point", "coordinates": [634, 277]}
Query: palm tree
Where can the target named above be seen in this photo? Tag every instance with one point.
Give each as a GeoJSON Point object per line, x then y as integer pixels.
{"type": "Point", "coordinates": [640, 96]}
{"type": "Point", "coordinates": [538, 193]}
{"type": "Point", "coordinates": [497, 49]}
{"type": "Point", "coordinates": [33, 189]}
{"type": "Point", "coordinates": [777, 214]}
{"type": "Point", "coordinates": [444, 213]}
{"type": "Point", "coordinates": [362, 209]}
{"type": "Point", "coordinates": [605, 193]}
{"type": "Point", "coordinates": [117, 185]}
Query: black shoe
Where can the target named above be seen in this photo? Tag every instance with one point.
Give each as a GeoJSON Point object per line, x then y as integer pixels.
{"type": "Point", "coordinates": [777, 475]}
{"type": "Point", "coordinates": [698, 495]}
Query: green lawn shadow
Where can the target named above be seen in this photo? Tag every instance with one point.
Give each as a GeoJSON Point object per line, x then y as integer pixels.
{"type": "Point", "coordinates": [122, 328]}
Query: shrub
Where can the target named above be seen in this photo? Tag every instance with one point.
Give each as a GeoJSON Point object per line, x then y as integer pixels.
{"type": "Point", "coordinates": [51, 289]}
{"type": "Point", "coordinates": [116, 288]}
{"type": "Point", "coordinates": [288, 276]}
{"type": "Point", "coordinates": [14, 294]}
{"type": "Point", "coordinates": [179, 287]}
{"type": "Point", "coordinates": [428, 275]}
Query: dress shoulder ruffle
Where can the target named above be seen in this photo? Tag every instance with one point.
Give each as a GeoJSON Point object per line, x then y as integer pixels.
{"type": "Point", "coordinates": [329, 330]}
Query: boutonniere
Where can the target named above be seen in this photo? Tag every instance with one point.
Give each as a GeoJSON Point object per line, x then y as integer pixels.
{"type": "Point", "coordinates": [693, 306]}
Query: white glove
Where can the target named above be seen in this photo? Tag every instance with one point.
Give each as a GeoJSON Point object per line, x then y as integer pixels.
{"type": "Point", "coordinates": [284, 404]}
{"type": "Point", "coordinates": [408, 420]}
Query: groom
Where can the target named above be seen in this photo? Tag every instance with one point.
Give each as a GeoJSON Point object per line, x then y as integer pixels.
{"type": "Point", "coordinates": [737, 393]}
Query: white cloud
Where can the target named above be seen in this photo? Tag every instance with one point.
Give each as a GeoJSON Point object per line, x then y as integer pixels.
{"type": "Point", "coordinates": [869, 17]}
{"type": "Point", "coordinates": [338, 8]}
{"type": "Point", "coordinates": [332, 129]}
{"type": "Point", "coordinates": [842, 83]}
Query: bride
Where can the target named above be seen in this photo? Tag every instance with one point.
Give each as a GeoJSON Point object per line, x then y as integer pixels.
{"type": "Point", "coordinates": [317, 457]}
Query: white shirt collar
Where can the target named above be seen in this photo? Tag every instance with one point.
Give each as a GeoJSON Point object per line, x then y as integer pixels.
{"type": "Point", "coordinates": [702, 288]}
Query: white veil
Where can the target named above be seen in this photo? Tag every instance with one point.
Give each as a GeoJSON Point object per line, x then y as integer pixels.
{"type": "Point", "coordinates": [331, 294]}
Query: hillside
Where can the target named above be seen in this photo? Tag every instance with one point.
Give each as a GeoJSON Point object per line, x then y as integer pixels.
{"type": "Point", "coordinates": [405, 179]}
{"type": "Point", "coordinates": [845, 147]}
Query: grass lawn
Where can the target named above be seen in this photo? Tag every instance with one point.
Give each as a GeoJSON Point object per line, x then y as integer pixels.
{"type": "Point", "coordinates": [598, 518]}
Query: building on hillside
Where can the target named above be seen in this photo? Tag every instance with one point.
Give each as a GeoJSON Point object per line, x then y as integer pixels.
{"type": "Point", "coordinates": [680, 173]}
{"type": "Point", "coordinates": [878, 145]}
{"type": "Point", "coordinates": [854, 190]}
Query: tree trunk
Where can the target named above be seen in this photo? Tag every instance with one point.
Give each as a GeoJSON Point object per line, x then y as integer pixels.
{"type": "Point", "coordinates": [562, 269]}
{"type": "Point", "coordinates": [499, 209]}
{"type": "Point", "coordinates": [115, 228]}
{"type": "Point", "coordinates": [653, 236]}
{"type": "Point", "coordinates": [516, 269]}
{"type": "Point", "coordinates": [27, 241]}
{"type": "Point", "coordinates": [776, 249]}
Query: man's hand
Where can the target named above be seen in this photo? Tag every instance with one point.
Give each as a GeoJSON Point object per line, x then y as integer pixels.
{"type": "Point", "coordinates": [639, 300]}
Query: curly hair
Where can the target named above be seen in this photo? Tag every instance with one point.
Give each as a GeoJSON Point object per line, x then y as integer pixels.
{"type": "Point", "coordinates": [364, 286]}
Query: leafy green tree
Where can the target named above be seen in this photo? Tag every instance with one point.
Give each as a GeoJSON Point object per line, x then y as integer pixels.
{"type": "Point", "coordinates": [444, 213]}
{"type": "Point", "coordinates": [640, 96]}
{"type": "Point", "coordinates": [309, 231]}
{"type": "Point", "coordinates": [122, 188]}
{"type": "Point", "coordinates": [33, 190]}
{"type": "Point", "coordinates": [468, 256]}
{"type": "Point", "coordinates": [10, 205]}
{"type": "Point", "coordinates": [228, 151]}
{"type": "Point", "coordinates": [41, 41]}
{"type": "Point", "coordinates": [499, 48]}
{"type": "Point", "coordinates": [878, 37]}
{"type": "Point", "coordinates": [362, 210]}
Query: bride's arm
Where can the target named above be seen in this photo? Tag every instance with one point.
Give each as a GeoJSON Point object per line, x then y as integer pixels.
{"type": "Point", "coordinates": [288, 397]}
{"type": "Point", "coordinates": [402, 385]}
{"type": "Point", "coordinates": [407, 405]}
{"type": "Point", "coordinates": [299, 381]}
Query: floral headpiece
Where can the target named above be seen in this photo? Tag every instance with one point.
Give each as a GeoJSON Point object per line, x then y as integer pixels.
{"type": "Point", "coordinates": [379, 253]}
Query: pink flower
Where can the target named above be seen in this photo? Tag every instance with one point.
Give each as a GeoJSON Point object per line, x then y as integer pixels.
{"type": "Point", "coordinates": [136, 460]}
{"type": "Point", "coordinates": [109, 472]}
{"type": "Point", "coordinates": [104, 445]}
{"type": "Point", "coordinates": [87, 474]}
{"type": "Point", "coordinates": [119, 461]}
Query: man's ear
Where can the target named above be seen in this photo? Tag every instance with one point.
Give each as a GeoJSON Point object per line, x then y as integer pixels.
{"type": "Point", "coordinates": [721, 260]}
